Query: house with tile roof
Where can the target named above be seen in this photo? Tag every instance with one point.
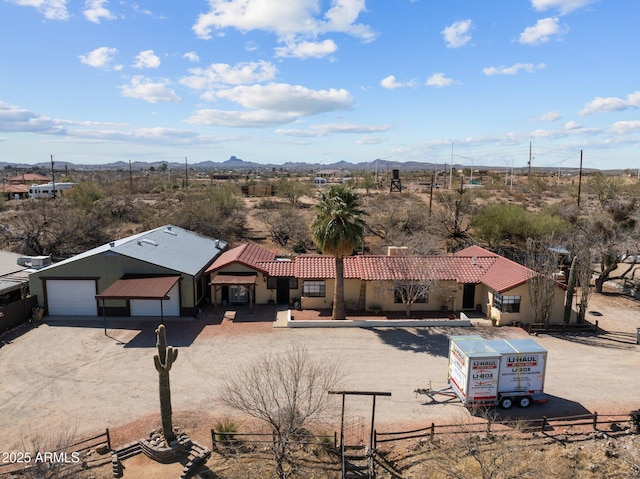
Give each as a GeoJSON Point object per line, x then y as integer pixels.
{"type": "Point", "coordinates": [473, 279]}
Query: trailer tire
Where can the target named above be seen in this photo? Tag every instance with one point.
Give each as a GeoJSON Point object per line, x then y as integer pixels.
{"type": "Point", "coordinates": [506, 403]}
{"type": "Point", "coordinates": [524, 401]}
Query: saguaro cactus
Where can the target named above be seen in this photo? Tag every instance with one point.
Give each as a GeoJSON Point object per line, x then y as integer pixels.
{"type": "Point", "coordinates": [164, 360]}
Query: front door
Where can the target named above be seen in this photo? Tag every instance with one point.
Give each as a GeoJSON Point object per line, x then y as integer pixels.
{"type": "Point", "coordinates": [469, 296]}
{"type": "Point", "coordinates": [282, 291]}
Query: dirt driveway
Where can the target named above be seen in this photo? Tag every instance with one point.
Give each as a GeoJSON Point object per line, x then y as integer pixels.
{"type": "Point", "coordinates": [70, 374]}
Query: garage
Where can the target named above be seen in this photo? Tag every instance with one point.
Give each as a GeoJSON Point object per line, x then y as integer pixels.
{"type": "Point", "coordinates": [66, 297]}
{"type": "Point", "coordinates": [151, 307]}
{"type": "Point", "coordinates": [147, 295]}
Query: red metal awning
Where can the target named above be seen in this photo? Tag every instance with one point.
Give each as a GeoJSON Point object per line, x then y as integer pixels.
{"type": "Point", "coordinates": [156, 287]}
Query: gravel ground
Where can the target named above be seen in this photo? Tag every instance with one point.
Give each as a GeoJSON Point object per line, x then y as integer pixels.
{"type": "Point", "coordinates": [70, 374]}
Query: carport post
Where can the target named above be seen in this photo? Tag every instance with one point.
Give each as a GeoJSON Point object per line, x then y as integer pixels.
{"type": "Point", "coordinates": [104, 316]}
{"type": "Point", "coordinates": [161, 313]}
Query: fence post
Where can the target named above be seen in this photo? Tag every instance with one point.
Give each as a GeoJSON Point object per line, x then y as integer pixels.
{"type": "Point", "coordinates": [108, 439]}
{"type": "Point", "coordinates": [374, 444]}
{"type": "Point", "coordinates": [433, 431]}
{"type": "Point", "coordinates": [213, 439]}
{"type": "Point", "coordinates": [335, 439]}
{"type": "Point", "coordinates": [488, 427]}
{"type": "Point", "coordinates": [544, 424]}
{"type": "Point", "coordinates": [595, 420]}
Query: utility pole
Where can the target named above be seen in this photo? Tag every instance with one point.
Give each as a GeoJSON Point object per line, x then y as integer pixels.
{"type": "Point", "coordinates": [529, 162]}
{"type": "Point", "coordinates": [130, 179]}
{"type": "Point", "coordinates": [53, 180]}
{"type": "Point", "coordinates": [451, 168]}
{"type": "Point", "coordinates": [580, 179]}
{"type": "Point", "coordinates": [186, 173]}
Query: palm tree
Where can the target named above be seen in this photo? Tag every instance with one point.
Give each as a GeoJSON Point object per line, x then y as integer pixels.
{"type": "Point", "coordinates": [338, 229]}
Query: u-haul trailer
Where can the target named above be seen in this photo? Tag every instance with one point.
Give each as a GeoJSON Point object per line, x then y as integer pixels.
{"type": "Point", "coordinates": [491, 372]}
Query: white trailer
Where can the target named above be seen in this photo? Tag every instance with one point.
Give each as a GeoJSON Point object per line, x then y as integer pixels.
{"type": "Point", "coordinates": [491, 372]}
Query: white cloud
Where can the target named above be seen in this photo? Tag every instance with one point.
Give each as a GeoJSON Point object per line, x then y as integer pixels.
{"type": "Point", "coordinates": [304, 49]}
{"type": "Point", "coordinates": [99, 58]}
{"type": "Point", "coordinates": [390, 83]}
{"type": "Point", "coordinates": [222, 74]}
{"type": "Point", "coordinates": [192, 57]}
{"type": "Point", "coordinates": [513, 69]}
{"type": "Point", "coordinates": [370, 140]}
{"type": "Point", "coordinates": [94, 10]}
{"type": "Point", "coordinates": [564, 6]}
{"type": "Point", "coordinates": [439, 80]}
{"type": "Point", "coordinates": [550, 116]}
{"type": "Point", "coordinates": [241, 119]}
{"type": "Point", "coordinates": [51, 9]}
{"type": "Point", "coordinates": [611, 104]}
{"type": "Point", "coordinates": [272, 104]}
{"type": "Point", "coordinates": [147, 59]}
{"type": "Point", "coordinates": [283, 97]}
{"type": "Point", "coordinates": [326, 129]}
{"type": "Point", "coordinates": [14, 119]}
{"type": "Point", "coordinates": [572, 125]}
{"type": "Point", "coordinates": [542, 31]}
{"type": "Point", "coordinates": [622, 127]}
{"type": "Point", "coordinates": [145, 89]}
{"type": "Point", "coordinates": [289, 21]}
{"type": "Point", "coordinates": [457, 34]}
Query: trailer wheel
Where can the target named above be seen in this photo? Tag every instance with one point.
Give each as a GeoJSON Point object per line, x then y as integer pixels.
{"type": "Point", "coordinates": [524, 401]}
{"type": "Point", "coordinates": [506, 403]}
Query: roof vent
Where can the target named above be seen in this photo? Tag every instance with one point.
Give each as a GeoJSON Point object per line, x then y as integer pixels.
{"type": "Point", "coordinates": [147, 241]}
{"type": "Point", "coordinates": [217, 243]}
{"type": "Point", "coordinates": [474, 261]}
{"type": "Point", "coordinates": [112, 244]}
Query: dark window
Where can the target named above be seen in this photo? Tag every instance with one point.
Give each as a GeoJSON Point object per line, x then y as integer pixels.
{"type": "Point", "coordinates": [506, 304]}
{"type": "Point", "coordinates": [313, 289]}
{"type": "Point", "coordinates": [272, 282]}
{"type": "Point", "coordinates": [293, 283]}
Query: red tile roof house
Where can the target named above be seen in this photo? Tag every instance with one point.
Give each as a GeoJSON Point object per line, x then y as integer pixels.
{"type": "Point", "coordinates": [473, 279]}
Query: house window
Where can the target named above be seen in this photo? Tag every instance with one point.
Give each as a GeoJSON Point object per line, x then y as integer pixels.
{"type": "Point", "coordinates": [506, 304]}
{"type": "Point", "coordinates": [410, 292]}
{"type": "Point", "coordinates": [238, 294]}
{"type": "Point", "coordinates": [313, 289]}
{"type": "Point", "coordinates": [272, 282]}
{"type": "Point", "coordinates": [293, 283]}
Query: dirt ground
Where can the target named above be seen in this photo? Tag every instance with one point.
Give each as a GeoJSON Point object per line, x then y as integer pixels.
{"type": "Point", "coordinates": [67, 374]}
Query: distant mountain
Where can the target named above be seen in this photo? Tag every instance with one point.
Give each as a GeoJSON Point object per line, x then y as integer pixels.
{"type": "Point", "coordinates": [234, 163]}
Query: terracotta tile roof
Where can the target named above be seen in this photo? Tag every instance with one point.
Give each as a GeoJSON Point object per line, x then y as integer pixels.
{"type": "Point", "coordinates": [248, 254]}
{"type": "Point", "coordinates": [278, 268]}
{"type": "Point", "coordinates": [503, 274]}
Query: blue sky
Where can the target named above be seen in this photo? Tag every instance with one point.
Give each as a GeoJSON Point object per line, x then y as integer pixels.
{"type": "Point", "coordinates": [271, 81]}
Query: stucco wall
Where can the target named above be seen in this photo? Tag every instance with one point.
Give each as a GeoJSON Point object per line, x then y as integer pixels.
{"type": "Point", "coordinates": [525, 316]}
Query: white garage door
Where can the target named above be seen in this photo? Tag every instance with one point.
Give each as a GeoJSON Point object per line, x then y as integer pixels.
{"type": "Point", "coordinates": [71, 297]}
{"type": "Point", "coordinates": [151, 307]}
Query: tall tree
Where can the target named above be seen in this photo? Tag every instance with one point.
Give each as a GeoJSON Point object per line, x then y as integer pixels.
{"type": "Point", "coordinates": [338, 229]}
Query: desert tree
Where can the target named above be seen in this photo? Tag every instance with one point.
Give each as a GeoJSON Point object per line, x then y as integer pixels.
{"type": "Point", "coordinates": [287, 227]}
{"type": "Point", "coordinates": [337, 229]}
{"type": "Point", "coordinates": [287, 392]}
{"type": "Point", "coordinates": [584, 272]}
{"type": "Point", "coordinates": [392, 216]}
{"type": "Point", "coordinates": [409, 271]}
{"type": "Point", "coordinates": [48, 439]}
{"type": "Point", "coordinates": [606, 188]}
{"type": "Point", "coordinates": [541, 284]}
{"type": "Point", "coordinates": [292, 190]}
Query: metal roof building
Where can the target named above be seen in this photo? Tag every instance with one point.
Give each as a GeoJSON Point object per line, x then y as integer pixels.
{"type": "Point", "coordinates": [96, 282]}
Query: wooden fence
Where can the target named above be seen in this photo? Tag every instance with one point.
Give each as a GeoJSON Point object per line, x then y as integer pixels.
{"type": "Point", "coordinates": [233, 439]}
{"type": "Point", "coordinates": [543, 425]}
{"type": "Point", "coordinates": [65, 458]}
{"type": "Point", "coordinates": [16, 313]}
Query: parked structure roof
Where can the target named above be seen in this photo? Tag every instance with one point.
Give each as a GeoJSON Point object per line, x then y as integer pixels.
{"type": "Point", "coordinates": [156, 287]}
{"type": "Point", "coordinates": [12, 275]}
{"type": "Point", "coordinates": [168, 246]}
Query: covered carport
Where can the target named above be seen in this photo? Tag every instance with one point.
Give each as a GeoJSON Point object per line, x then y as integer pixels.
{"type": "Point", "coordinates": [145, 296]}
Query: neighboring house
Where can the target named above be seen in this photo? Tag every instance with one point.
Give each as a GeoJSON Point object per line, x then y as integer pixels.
{"type": "Point", "coordinates": [28, 179]}
{"type": "Point", "coordinates": [473, 279]}
{"type": "Point", "coordinates": [160, 272]}
{"type": "Point", "coordinates": [14, 191]}
{"type": "Point", "coordinates": [15, 303]}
